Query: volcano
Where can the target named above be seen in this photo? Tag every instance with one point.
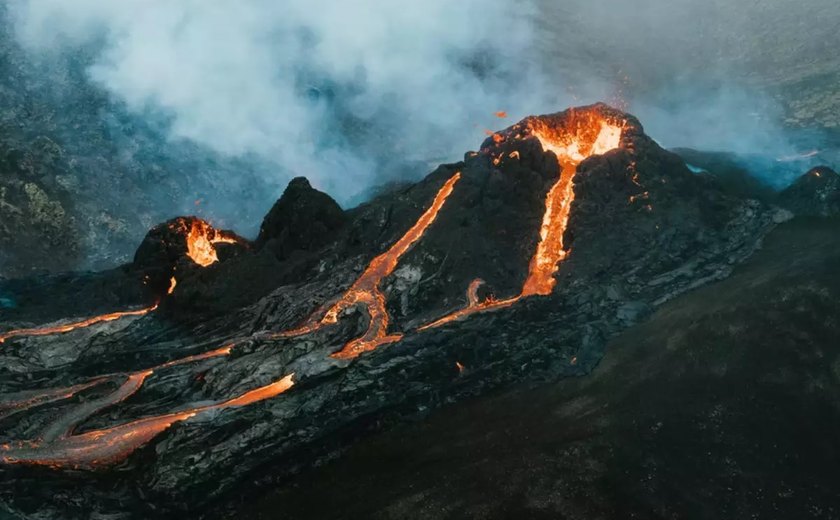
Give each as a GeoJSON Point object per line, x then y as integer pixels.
{"type": "Point", "coordinates": [169, 382]}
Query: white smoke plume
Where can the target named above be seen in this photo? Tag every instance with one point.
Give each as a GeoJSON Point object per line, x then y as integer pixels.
{"type": "Point", "coordinates": [351, 93]}
{"type": "Point", "coordinates": [322, 88]}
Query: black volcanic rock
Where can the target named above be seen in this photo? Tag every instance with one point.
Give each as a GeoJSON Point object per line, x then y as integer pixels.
{"type": "Point", "coordinates": [302, 219]}
{"type": "Point", "coordinates": [642, 229]}
{"type": "Point", "coordinates": [817, 193]}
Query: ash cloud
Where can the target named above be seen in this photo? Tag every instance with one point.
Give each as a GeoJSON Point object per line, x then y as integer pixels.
{"type": "Point", "coordinates": [354, 94]}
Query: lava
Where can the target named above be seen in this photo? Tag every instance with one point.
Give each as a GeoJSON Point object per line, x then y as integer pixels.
{"type": "Point", "coordinates": [58, 447]}
{"type": "Point", "coordinates": [365, 290]}
{"type": "Point", "coordinates": [13, 403]}
{"type": "Point", "coordinates": [172, 283]}
{"type": "Point", "coordinates": [583, 135]}
{"type": "Point", "coordinates": [64, 425]}
{"type": "Point", "coordinates": [68, 327]}
{"type": "Point", "coordinates": [201, 243]}
{"type": "Point", "coordinates": [109, 446]}
{"type": "Point", "coordinates": [586, 135]}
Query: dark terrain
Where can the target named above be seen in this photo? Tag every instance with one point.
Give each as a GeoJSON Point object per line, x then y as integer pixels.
{"type": "Point", "coordinates": [725, 404]}
{"type": "Point", "coordinates": [177, 410]}
{"type": "Point", "coordinates": [686, 365]}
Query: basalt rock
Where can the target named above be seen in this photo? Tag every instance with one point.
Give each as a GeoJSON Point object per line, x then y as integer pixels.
{"type": "Point", "coordinates": [640, 228]}
{"type": "Point", "coordinates": [303, 219]}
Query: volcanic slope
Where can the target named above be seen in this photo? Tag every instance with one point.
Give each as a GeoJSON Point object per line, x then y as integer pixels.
{"type": "Point", "coordinates": [577, 224]}
{"type": "Point", "coordinates": [725, 404]}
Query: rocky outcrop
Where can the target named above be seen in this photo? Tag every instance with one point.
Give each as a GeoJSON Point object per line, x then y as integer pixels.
{"type": "Point", "coordinates": [303, 219]}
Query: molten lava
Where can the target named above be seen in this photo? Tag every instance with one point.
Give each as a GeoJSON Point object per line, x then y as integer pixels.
{"type": "Point", "coordinates": [365, 290]}
{"type": "Point", "coordinates": [587, 134]}
{"type": "Point", "coordinates": [68, 327]}
{"type": "Point", "coordinates": [201, 243]}
{"type": "Point", "coordinates": [582, 135]}
{"type": "Point", "coordinates": [111, 445]}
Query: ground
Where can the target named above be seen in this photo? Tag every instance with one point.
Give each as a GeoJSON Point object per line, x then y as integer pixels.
{"type": "Point", "coordinates": [725, 404]}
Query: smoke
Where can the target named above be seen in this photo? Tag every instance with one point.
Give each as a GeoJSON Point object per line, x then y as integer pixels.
{"type": "Point", "coordinates": [336, 91]}
{"type": "Point", "coordinates": [353, 94]}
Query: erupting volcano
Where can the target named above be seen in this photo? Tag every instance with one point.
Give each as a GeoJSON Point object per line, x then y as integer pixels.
{"type": "Point", "coordinates": [500, 222]}
{"type": "Point", "coordinates": [580, 135]}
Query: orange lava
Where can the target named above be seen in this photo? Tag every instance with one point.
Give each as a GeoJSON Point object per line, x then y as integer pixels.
{"type": "Point", "coordinates": [260, 394]}
{"type": "Point", "coordinates": [365, 290]}
{"type": "Point", "coordinates": [584, 136]}
{"type": "Point", "coordinates": [172, 283]}
{"type": "Point", "coordinates": [64, 425]}
{"type": "Point", "coordinates": [201, 243]}
{"type": "Point", "coordinates": [67, 327]}
{"type": "Point", "coordinates": [108, 446]}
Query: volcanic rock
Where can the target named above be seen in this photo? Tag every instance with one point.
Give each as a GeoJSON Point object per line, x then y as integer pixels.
{"type": "Point", "coordinates": [302, 219]}
{"type": "Point", "coordinates": [817, 193]}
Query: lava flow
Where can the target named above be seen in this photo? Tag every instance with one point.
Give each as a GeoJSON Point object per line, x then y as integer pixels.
{"type": "Point", "coordinates": [365, 290]}
{"type": "Point", "coordinates": [110, 445]}
{"type": "Point", "coordinates": [76, 450]}
{"type": "Point", "coordinates": [201, 243]}
{"type": "Point", "coordinates": [68, 327]}
{"type": "Point", "coordinates": [584, 136]}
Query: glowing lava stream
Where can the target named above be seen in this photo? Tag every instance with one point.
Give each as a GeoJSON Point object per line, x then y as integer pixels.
{"type": "Point", "coordinates": [68, 327]}
{"type": "Point", "coordinates": [365, 290]}
{"type": "Point", "coordinates": [13, 403]}
{"type": "Point", "coordinates": [570, 151]}
{"type": "Point", "coordinates": [111, 445]}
